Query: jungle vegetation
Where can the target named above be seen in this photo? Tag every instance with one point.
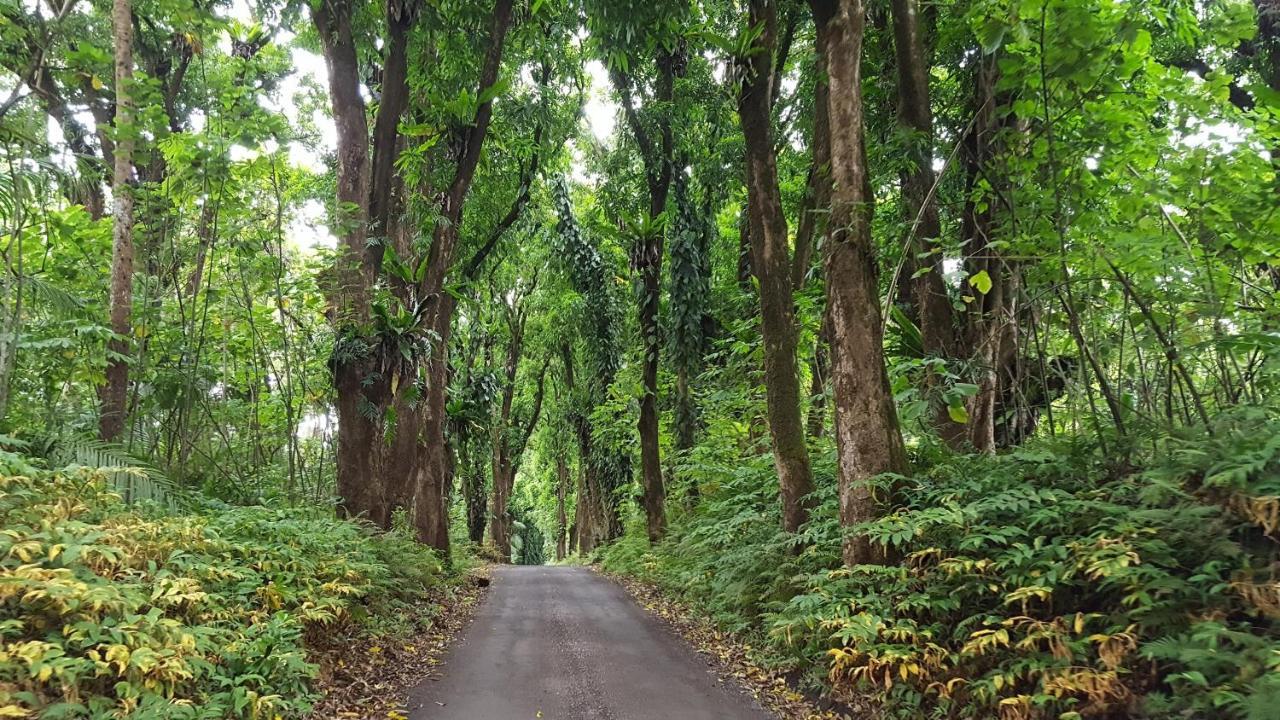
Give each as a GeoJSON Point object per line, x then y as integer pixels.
{"type": "Point", "coordinates": [932, 346]}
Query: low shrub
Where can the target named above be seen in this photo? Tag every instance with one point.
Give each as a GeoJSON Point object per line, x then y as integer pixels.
{"type": "Point", "coordinates": [110, 611]}
{"type": "Point", "coordinates": [1045, 583]}
{"type": "Point", "coordinates": [728, 557]}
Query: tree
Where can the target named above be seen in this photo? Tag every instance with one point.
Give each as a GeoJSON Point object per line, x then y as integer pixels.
{"type": "Point", "coordinates": [430, 517]}
{"type": "Point", "coordinates": [359, 480]}
{"type": "Point", "coordinates": [510, 435]}
{"type": "Point", "coordinates": [771, 263]}
{"type": "Point", "coordinates": [603, 469]}
{"type": "Point", "coordinates": [114, 392]}
{"type": "Point", "coordinates": [386, 345]}
{"type": "Point", "coordinates": [868, 440]}
{"type": "Point", "coordinates": [632, 37]}
{"type": "Point", "coordinates": [923, 260]}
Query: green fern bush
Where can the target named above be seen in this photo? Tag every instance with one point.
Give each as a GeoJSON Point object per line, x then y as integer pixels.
{"type": "Point", "coordinates": [110, 611]}
{"type": "Point", "coordinates": [1045, 583]}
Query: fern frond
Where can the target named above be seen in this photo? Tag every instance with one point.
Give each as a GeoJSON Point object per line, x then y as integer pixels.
{"type": "Point", "coordinates": [56, 298]}
{"type": "Point", "coordinates": [134, 478]}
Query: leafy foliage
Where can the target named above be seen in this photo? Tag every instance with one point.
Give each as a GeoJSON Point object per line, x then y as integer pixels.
{"type": "Point", "coordinates": [111, 610]}
{"type": "Point", "coordinates": [1103, 176]}
{"type": "Point", "coordinates": [1045, 583]}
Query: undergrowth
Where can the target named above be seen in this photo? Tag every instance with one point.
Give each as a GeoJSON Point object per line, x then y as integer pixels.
{"type": "Point", "coordinates": [111, 611]}
{"type": "Point", "coordinates": [1049, 582]}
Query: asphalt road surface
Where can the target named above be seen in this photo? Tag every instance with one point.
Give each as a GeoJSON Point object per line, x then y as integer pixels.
{"type": "Point", "coordinates": [563, 643]}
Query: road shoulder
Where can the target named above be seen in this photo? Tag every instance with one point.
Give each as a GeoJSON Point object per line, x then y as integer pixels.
{"type": "Point", "coordinates": [373, 677]}
{"type": "Point", "coordinates": [727, 655]}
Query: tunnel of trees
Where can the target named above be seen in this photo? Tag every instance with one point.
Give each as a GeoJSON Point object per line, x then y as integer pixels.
{"type": "Point", "coordinates": [938, 344]}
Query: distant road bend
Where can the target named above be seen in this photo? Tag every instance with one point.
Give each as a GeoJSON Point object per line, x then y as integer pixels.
{"type": "Point", "coordinates": [563, 643]}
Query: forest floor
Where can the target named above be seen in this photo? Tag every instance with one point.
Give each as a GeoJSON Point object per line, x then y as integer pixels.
{"type": "Point", "coordinates": [565, 643]}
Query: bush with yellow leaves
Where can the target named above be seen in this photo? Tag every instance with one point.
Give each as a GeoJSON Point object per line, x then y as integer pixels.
{"type": "Point", "coordinates": [1053, 582]}
{"type": "Point", "coordinates": [109, 611]}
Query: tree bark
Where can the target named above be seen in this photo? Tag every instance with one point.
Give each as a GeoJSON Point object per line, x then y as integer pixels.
{"type": "Point", "coordinates": [915, 116]}
{"type": "Point", "coordinates": [868, 439]}
{"type": "Point", "coordinates": [771, 265]}
{"type": "Point", "coordinates": [989, 329]}
{"type": "Point", "coordinates": [114, 393]}
{"type": "Point", "coordinates": [813, 225]}
{"type": "Point", "coordinates": [359, 486]}
{"type": "Point", "coordinates": [654, 499]}
{"type": "Point", "coordinates": [474, 492]}
{"type": "Point", "coordinates": [394, 99]}
{"type": "Point", "coordinates": [813, 217]}
{"type": "Point", "coordinates": [562, 487]}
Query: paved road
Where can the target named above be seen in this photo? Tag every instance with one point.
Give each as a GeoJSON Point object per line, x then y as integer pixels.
{"type": "Point", "coordinates": [571, 645]}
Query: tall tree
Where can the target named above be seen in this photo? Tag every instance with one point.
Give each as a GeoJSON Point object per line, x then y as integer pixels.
{"type": "Point", "coordinates": [634, 37]}
{"type": "Point", "coordinates": [359, 481]}
{"type": "Point", "coordinates": [771, 263]}
{"type": "Point", "coordinates": [385, 347]}
{"type": "Point", "coordinates": [923, 261]}
{"type": "Point", "coordinates": [646, 259]}
{"type": "Point", "coordinates": [114, 393]}
{"type": "Point", "coordinates": [429, 509]}
{"type": "Point", "coordinates": [510, 435]}
{"type": "Point", "coordinates": [868, 439]}
{"type": "Point", "coordinates": [690, 288]}
{"type": "Point", "coordinates": [604, 469]}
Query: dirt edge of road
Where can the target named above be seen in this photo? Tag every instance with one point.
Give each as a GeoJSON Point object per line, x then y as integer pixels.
{"type": "Point", "coordinates": [729, 655]}
{"type": "Point", "coordinates": [372, 677]}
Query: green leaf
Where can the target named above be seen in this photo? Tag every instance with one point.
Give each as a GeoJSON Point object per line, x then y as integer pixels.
{"type": "Point", "coordinates": [958, 414]}
{"type": "Point", "coordinates": [981, 282]}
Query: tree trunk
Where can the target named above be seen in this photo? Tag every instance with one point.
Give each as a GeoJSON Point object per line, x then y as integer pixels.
{"type": "Point", "coordinates": [114, 393]}
{"type": "Point", "coordinates": [989, 330]}
{"type": "Point", "coordinates": [647, 261]}
{"type": "Point", "coordinates": [813, 217]}
{"type": "Point", "coordinates": [586, 517]}
{"type": "Point", "coordinates": [430, 513]}
{"type": "Point", "coordinates": [813, 225]}
{"type": "Point", "coordinates": [868, 440]}
{"type": "Point", "coordinates": [386, 192]}
{"type": "Point", "coordinates": [359, 476]}
{"type": "Point", "coordinates": [476, 513]}
{"type": "Point", "coordinates": [990, 348]}
{"type": "Point", "coordinates": [499, 518]}
{"type": "Point", "coordinates": [650, 459]}
{"type": "Point", "coordinates": [562, 487]}
{"type": "Point", "coordinates": [499, 525]}
{"type": "Point", "coordinates": [923, 266]}
{"type": "Point", "coordinates": [771, 264]}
